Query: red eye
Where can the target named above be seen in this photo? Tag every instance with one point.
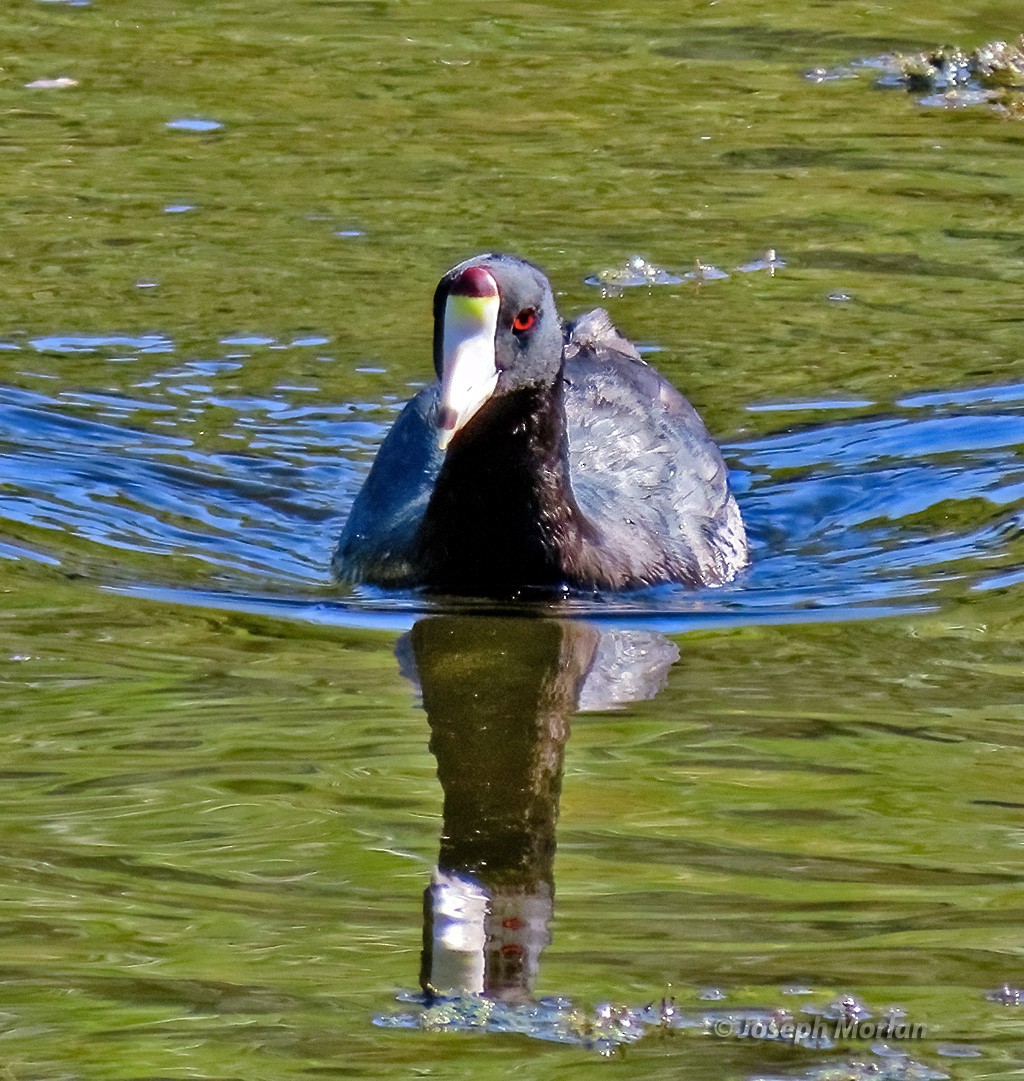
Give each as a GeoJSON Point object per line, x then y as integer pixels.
{"type": "Point", "coordinates": [525, 320]}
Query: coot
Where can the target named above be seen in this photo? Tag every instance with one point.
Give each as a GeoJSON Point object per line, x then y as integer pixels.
{"type": "Point", "coordinates": [545, 456]}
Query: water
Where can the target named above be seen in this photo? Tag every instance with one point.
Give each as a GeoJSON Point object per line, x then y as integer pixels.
{"type": "Point", "coordinates": [228, 785]}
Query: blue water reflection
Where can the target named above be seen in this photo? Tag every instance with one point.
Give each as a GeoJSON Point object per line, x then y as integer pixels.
{"type": "Point", "coordinates": [849, 514]}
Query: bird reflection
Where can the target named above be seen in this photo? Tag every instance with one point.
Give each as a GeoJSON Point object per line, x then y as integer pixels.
{"type": "Point", "coordinates": [499, 693]}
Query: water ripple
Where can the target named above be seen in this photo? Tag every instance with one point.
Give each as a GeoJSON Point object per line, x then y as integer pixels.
{"type": "Point", "coordinates": [848, 514]}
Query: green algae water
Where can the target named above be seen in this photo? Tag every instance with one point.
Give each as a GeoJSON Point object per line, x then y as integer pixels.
{"type": "Point", "coordinates": [245, 816]}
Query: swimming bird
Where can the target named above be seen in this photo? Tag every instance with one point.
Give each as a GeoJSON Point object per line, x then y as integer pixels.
{"type": "Point", "coordinates": [545, 456]}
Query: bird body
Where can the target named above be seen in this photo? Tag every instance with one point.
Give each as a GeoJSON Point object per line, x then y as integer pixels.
{"type": "Point", "coordinates": [574, 465]}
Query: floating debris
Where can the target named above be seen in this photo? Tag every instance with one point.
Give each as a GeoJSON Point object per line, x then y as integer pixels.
{"type": "Point", "coordinates": [846, 1008]}
{"type": "Point", "coordinates": [62, 82]}
{"type": "Point", "coordinates": [947, 77]}
{"type": "Point", "coordinates": [1007, 995]}
{"type": "Point", "coordinates": [901, 1068]}
{"type": "Point", "coordinates": [552, 1019]}
{"type": "Point", "coordinates": [1011, 109]}
{"type": "Point", "coordinates": [635, 271]}
{"type": "Point", "coordinates": [610, 1027]}
{"type": "Point", "coordinates": [770, 261]}
{"type": "Point", "coordinates": [639, 271]}
{"type": "Point", "coordinates": [1001, 65]}
{"type": "Point", "coordinates": [178, 208]}
{"type": "Point", "coordinates": [704, 272]}
{"type": "Point", "coordinates": [941, 69]}
{"type": "Point", "coordinates": [959, 97]}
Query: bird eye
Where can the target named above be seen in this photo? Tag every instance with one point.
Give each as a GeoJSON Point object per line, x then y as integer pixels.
{"type": "Point", "coordinates": [525, 321]}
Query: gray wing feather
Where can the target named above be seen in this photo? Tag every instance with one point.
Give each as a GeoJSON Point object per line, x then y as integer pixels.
{"type": "Point", "coordinates": [377, 543]}
{"type": "Point", "coordinates": [644, 470]}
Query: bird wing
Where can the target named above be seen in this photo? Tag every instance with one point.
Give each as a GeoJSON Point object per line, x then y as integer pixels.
{"type": "Point", "coordinates": [377, 543]}
{"type": "Point", "coordinates": [644, 470]}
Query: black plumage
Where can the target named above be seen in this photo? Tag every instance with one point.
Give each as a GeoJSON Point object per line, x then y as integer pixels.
{"type": "Point", "coordinates": [574, 465]}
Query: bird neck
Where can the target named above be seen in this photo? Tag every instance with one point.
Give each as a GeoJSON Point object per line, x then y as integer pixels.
{"type": "Point", "coordinates": [502, 513]}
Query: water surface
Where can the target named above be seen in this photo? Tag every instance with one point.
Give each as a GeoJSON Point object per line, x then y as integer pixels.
{"type": "Point", "coordinates": [228, 784]}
